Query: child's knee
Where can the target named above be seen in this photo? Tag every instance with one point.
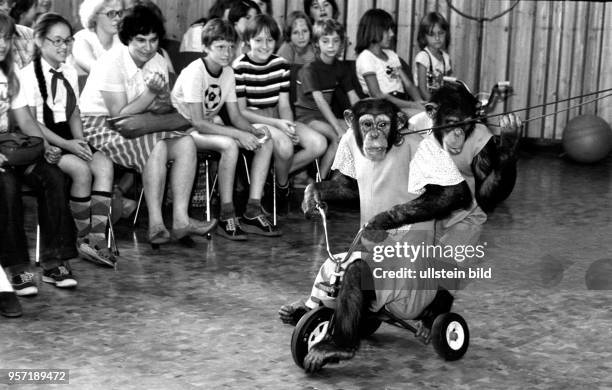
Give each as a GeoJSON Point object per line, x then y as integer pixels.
{"type": "Point", "coordinates": [283, 147]}
{"type": "Point", "coordinates": [318, 145]}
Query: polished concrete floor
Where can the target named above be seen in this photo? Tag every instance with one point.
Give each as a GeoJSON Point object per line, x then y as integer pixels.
{"type": "Point", "coordinates": [206, 318]}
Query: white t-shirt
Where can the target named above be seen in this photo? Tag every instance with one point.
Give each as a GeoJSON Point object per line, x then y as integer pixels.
{"type": "Point", "coordinates": [387, 72]}
{"type": "Point", "coordinates": [440, 68]}
{"type": "Point", "coordinates": [117, 72]}
{"type": "Point", "coordinates": [195, 84]}
{"type": "Point", "coordinates": [17, 101]}
{"type": "Point", "coordinates": [29, 85]}
{"type": "Point", "coordinates": [87, 41]}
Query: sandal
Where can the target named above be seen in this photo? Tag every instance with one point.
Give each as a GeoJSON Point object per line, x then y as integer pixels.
{"type": "Point", "coordinates": [158, 234]}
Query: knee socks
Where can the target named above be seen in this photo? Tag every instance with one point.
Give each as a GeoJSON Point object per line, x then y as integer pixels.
{"type": "Point", "coordinates": [81, 212]}
{"type": "Point", "coordinates": [100, 206]}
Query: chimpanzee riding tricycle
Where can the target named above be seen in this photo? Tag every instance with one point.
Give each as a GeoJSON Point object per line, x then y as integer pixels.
{"type": "Point", "coordinates": [449, 332]}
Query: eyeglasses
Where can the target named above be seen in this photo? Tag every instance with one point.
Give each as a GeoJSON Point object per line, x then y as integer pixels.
{"type": "Point", "coordinates": [57, 42]}
{"type": "Point", "coordinates": [112, 13]}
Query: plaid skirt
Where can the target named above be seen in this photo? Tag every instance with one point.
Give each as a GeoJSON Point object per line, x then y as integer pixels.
{"type": "Point", "coordinates": [131, 153]}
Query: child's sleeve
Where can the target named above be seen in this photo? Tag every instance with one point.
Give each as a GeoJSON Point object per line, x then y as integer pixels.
{"type": "Point", "coordinates": [240, 85]}
{"type": "Point", "coordinates": [365, 64]}
{"type": "Point", "coordinates": [432, 165]}
{"type": "Point", "coordinates": [19, 99]}
{"type": "Point", "coordinates": [27, 88]}
{"type": "Point", "coordinates": [231, 86]}
{"type": "Point", "coordinates": [192, 83]}
{"type": "Point", "coordinates": [285, 76]}
{"type": "Point", "coordinates": [421, 58]}
{"type": "Point", "coordinates": [309, 80]}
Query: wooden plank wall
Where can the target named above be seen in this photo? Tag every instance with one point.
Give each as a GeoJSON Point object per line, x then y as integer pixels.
{"type": "Point", "coordinates": [548, 50]}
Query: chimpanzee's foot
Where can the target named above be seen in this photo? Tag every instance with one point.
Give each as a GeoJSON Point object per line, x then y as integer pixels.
{"type": "Point", "coordinates": [291, 313]}
{"type": "Point", "coordinates": [423, 333]}
{"type": "Point", "coordinates": [326, 352]}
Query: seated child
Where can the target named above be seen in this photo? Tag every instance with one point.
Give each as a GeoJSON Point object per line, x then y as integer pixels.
{"type": "Point", "coordinates": [317, 82]}
{"type": "Point", "coordinates": [379, 69]}
{"type": "Point", "coordinates": [51, 89]}
{"type": "Point", "coordinates": [432, 63]}
{"type": "Point", "coordinates": [262, 87]}
{"type": "Point", "coordinates": [297, 47]}
{"type": "Point", "coordinates": [200, 91]}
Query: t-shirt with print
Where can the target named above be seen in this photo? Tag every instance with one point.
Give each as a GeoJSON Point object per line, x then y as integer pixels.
{"type": "Point", "coordinates": [18, 100]}
{"type": "Point", "coordinates": [29, 84]}
{"type": "Point", "coordinates": [261, 83]}
{"type": "Point", "coordinates": [319, 76]}
{"type": "Point", "coordinates": [387, 72]}
{"type": "Point", "coordinates": [196, 84]}
{"type": "Point", "coordinates": [117, 72]}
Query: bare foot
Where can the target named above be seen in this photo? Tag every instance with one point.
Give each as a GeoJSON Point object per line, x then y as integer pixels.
{"type": "Point", "coordinates": [423, 333]}
{"type": "Point", "coordinates": [291, 313]}
{"type": "Point", "coordinates": [326, 352]}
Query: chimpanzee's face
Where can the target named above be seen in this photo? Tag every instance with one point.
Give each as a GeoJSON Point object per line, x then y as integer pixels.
{"type": "Point", "coordinates": [375, 131]}
{"type": "Point", "coordinates": [453, 138]}
{"type": "Point", "coordinates": [375, 124]}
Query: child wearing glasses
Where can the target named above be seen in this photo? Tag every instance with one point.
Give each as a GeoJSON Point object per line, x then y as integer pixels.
{"type": "Point", "coordinates": [432, 63]}
{"type": "Point", "coordinates": [200, 90]}
{"type": "Point", "coordinates": [99, 19]}
{"type": "Point", "coordinates": [51, 91]}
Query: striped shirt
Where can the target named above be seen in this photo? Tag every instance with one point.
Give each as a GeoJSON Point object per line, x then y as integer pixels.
{"type": "Point", "coordinates": [261, 83]}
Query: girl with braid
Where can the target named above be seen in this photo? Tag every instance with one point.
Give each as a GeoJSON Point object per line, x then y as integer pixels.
{"type": "Point", "coordinates": [51, 89]}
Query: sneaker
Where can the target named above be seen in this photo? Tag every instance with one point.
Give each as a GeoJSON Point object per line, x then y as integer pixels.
{"type": "Point", "coordinates": [230, 229]}
{"type": "Point", "coordinates": [61, 276]}
{"type": "Point", "coordinates": [24, 285]}
{"type": "Point", "coordinates": [95, 254]}
{"type": "Point", "coordinates": [9, 304]}
{"type": "Point", "coordinates": [260, 225]}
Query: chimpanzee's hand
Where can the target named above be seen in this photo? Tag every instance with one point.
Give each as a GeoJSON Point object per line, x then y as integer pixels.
{"type": "Point", "coordinates": [312, 198]}
{"type": "Point", "coordinates": [376, 229]}
{"type": "Point", "coordinates": [510, 127]}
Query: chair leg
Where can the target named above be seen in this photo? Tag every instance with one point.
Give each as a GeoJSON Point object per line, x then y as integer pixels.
{"type": "Point", "coordinates": [318, 175]}
{"type": "Point", "coordinates": [138, 207]}
{"type": "Point", "coordinates": [37, 258]}
{"type": "Point", "coordinates": [207, 194]}
{"type": "Point", "coordinates": [273, 195]}
{"type": "Point", "coordinates": [246, 168]}
{"type": "Point", "coordinates": [111, 240]}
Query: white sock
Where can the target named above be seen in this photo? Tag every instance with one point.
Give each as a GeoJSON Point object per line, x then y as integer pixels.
{"type": "Point", "coordinates": [5, 285]}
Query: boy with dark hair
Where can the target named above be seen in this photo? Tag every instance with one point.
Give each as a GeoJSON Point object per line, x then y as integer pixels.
{"type": "Point", "coordinates": [317, 82]}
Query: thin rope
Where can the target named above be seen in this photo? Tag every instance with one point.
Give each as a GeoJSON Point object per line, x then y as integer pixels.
{"type": "Point", "coordinates": [470, 121]}
{"type": "Point", "coordinates": [481, 19]}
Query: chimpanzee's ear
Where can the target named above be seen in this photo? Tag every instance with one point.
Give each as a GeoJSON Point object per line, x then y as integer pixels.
{"type": "Point", "coordinates": [431, 109]}
{"type": "Point", "coordinates": [402, 120]}
{"type": "Point", "coordinates": [348, 118]}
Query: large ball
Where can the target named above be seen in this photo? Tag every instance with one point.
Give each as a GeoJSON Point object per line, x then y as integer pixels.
{"type": "Point", "coordinates": [599, 275]}
{"type": "Point", "coordinates": [587, 139]}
